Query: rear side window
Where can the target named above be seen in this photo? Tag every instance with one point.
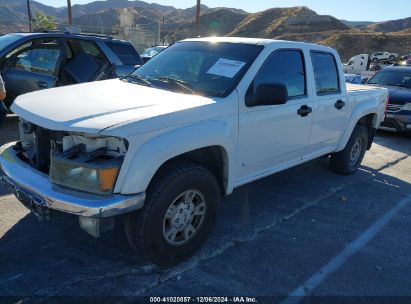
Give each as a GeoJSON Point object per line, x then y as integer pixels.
{"type": "Point", "coordinates": [284, 67]}
{"type": "Point", "coordinates": [326, 73]}
{"type": "Point", "coordinates": [127, 54]}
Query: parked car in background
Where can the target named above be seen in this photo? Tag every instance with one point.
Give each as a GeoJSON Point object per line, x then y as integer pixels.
{"type": "Point", "coordinates": [375, 57]}
{"type": "Point", "coordinates": [160, 146]}
{"type": "Point", "coordinates": [363, 64]}
{"type": "Point", "coordinates": [398, 82]}
{"type": "Point", "coordinates": [151, 52]}
{"type": "Point", "coordinates": [36, 61]}
{"type": "Point", "coordinates": [353, 78]}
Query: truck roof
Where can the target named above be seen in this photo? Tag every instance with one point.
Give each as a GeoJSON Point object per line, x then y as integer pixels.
{"type": "Point", "coordinates": [255, 41]}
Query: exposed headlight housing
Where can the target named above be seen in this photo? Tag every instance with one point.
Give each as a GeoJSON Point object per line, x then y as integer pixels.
{"type": "Point", "coordinates": [88, 165]}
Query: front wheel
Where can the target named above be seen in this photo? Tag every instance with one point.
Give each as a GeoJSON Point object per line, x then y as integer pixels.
{"type": "Point", "coordinates": [348, 160]}
{"type": "Point", "coordinates": [392, 57]}
{"type": "Point", "coordinates": [178, 216]}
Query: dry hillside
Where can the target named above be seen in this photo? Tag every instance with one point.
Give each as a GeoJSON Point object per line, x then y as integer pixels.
{"type": "Point", "coordinates": [390, 26]}
{"type": "Point", "coordinates": [293, 23]}
{"type": "Point", "coordinates": [215, 22]}
{"type": "Point", "coordinates": [349, 43]}
{"type": "Point", "coordinates": [277, 21]}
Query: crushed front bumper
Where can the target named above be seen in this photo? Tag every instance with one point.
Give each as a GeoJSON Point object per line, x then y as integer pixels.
{"type": "Point", "coordinates": [35, 191]}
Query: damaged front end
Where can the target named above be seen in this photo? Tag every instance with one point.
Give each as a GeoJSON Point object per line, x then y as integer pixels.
{"type": "Point", "coordinates": [77, 161]}
{"type": "Point", "coordinates": [68, 172]}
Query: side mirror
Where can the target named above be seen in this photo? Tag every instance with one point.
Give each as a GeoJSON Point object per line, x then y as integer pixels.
{"type": "Point", "coordinates": [269, 94]}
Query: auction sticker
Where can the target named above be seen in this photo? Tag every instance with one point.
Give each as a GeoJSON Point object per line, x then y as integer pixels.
{"type": "Point", "coordinates": [226, 67]}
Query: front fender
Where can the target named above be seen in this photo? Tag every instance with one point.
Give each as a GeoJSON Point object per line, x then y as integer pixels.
{"type": "Point", "coordinates": [156, 151]}
{"type": "Point", "coordinates": [363, 108]}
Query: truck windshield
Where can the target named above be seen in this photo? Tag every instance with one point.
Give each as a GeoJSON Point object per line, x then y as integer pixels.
{"type": "Point", "coordinates": [204, 68]}
{"type": "Point", "coordinates": [6, 40]}
{"type": "Point", "coordinates": [399, 78]}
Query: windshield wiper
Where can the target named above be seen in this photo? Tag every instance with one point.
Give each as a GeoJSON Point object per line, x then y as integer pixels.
{"type": "Point", "coordinates": [141, 79]}
{"type": "Point", "coordinates": [179, 83]}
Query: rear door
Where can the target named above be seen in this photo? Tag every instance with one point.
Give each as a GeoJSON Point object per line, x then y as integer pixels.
{"type": "Point", "coordinates": [32, 66]}
{"type": "Point", "coordinates": [330, 108]}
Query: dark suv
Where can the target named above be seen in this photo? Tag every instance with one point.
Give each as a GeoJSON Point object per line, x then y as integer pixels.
{"type": "Point", "coordinates": [397, 80]}
{"type": "Point", "coordinates": [35, 61]}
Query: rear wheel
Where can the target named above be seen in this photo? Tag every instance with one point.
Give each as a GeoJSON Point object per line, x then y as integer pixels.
{"type": "Point", "coordinates": [348, 160]}
{"type": "Point", "coordinates": [392, 57]}
{"type": "Point", "coordinates": [178, 216]}
{"type": "Point", "coordinates": [375, 59]}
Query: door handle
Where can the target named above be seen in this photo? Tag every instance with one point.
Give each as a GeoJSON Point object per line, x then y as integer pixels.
{"type": "Point", "coordinates": [339, 104]}
{"type": "Point", "coordinates": [304, 110]}
{"type": "Point", "coordinates": [42, 84]}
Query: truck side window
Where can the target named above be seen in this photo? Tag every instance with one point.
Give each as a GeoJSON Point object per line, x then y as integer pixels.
{"type": "Point", "coordinates": [285, 67]}
{"type": "Point", "coordinates": [325, 72]}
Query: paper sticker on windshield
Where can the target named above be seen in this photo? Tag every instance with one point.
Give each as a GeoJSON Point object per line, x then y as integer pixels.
{"type": "Point", "coordinates": [226, 67]}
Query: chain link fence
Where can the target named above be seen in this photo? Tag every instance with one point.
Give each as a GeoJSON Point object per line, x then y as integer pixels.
{"type": "Point", "coordinates": [141, 36]}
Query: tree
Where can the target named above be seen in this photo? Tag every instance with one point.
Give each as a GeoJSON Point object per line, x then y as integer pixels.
{"type": "Point", "coordinates": [44, 22]}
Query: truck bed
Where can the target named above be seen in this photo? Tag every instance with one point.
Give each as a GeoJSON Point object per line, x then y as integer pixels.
{"type": "Point", "coordinates": [351, 88]}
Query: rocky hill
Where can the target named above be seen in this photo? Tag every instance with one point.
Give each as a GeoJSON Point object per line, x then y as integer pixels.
{"type": "Point", "coordinates": [357, 24]}
{"type": "Point", "coordinates": [13, 14]}
{"type": "Point", "coordinates": [293, 23]}
{"type": "Point", "coordinates": [352, 42]}
{"type": "Point", "coordinates": [214, 22]}
{"type": "Point", "coordinates": [278, 21]}
{"type": "Point", "coordinates": [390, 26]}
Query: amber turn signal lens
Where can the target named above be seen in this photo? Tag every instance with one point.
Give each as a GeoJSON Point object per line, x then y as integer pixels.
{"type": "Point", "coordinates": [107, 178]}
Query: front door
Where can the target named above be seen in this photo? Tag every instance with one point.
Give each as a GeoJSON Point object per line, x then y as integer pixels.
{"type": "Point", "coordinates": [275, 136]}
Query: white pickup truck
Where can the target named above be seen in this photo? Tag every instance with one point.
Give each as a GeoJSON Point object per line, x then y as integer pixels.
{"type": "Point", "coordinates": [160, 146]}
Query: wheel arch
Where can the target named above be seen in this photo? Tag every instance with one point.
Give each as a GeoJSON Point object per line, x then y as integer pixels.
{"type": "Point", "coordinates": [368, 119]}
{"type": "Point", "coordinates": [208, 144]}
{"type": "Point", "coordinates": [213, 158]}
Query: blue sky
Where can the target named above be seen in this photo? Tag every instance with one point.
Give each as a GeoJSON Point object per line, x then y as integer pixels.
{"type": "Point", "coordinates": [354, 10]}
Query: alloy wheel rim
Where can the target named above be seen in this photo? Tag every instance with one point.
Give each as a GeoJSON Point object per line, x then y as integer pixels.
{"type": "Point", "coordinates": [356, 151]}
{"type": "Point", "coordinates": [184, 217]}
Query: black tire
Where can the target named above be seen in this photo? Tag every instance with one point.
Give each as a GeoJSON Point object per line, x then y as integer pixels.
{"type": "Point", "coordinates": [375, 59]}
{"type": "Point", "coordinates": [343, 162]}
{"type": "Point", "coordinates": [144, 229]}
{"type": "Point", "coordinates": [392, 57]}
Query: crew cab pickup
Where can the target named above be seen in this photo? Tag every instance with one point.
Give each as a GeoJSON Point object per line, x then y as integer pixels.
{"type": "Point", "coordinates": [159, 147]}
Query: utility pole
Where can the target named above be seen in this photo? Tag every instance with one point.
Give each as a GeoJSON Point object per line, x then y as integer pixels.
{"type": "Point", "coordinates": [198, 18]}
{"type": "Point", "coordinates": [29, 15]}
{"type": "Point", "coordinates": [162, 31]}
{"type": "Point", "coordinates": [70, 16]}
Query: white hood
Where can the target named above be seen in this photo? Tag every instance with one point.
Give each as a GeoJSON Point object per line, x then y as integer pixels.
{"type": "Point", "coordinates": [93, 107]}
